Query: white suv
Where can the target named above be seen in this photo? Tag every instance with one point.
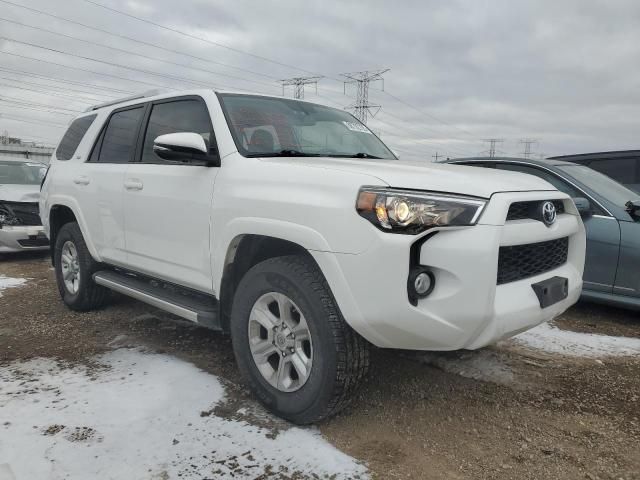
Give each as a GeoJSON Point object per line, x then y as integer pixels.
{"type": "Point", "coordinates": [291, 226]}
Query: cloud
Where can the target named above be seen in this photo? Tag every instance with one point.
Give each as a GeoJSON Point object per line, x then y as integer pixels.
{"type": "Point", "coordinates": [563, 72]}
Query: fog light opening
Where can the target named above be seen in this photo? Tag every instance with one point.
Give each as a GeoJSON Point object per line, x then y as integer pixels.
{"type": "Point", "coordinates": [421, 282]}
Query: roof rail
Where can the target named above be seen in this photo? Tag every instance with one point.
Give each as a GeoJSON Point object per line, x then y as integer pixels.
{"type": "Point", "coordinates": [148, 93]}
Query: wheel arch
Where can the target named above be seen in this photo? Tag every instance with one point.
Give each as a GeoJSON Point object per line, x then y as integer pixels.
{"type": "Point", "coordinates": [243, 252]}
{"type": "Point", "coordinates": [62, 212]}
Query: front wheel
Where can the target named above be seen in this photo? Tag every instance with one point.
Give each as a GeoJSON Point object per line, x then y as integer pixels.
{"type": "Point", "coordinates": [301, 359]}
{"type": "Point", "coordinates": [74, 267]}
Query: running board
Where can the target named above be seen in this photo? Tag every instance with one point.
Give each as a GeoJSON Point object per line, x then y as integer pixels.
{"type": "Point", "coordinates": [197, 307]}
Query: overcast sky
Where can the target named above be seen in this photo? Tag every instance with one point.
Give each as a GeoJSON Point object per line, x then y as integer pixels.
{"type": "Point", "coordinates": [566, 73]}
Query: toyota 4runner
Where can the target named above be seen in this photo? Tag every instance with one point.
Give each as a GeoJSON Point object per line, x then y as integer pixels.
{"type": "Point", "coordinates": [292, 227]}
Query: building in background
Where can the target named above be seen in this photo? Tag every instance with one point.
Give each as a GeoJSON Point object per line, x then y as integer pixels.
{"type": "Point", "coordinates": [14, 147]}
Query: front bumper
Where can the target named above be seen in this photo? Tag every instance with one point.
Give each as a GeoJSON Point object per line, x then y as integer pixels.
{"type": "Point", "coordinates": [467, 309]}
{"type": "Point", "coordinates": [20, 238]}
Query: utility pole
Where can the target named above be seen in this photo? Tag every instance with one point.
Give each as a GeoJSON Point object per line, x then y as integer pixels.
{"type": "Point", "coordinates": [492, 145]}
{"type": "Point", "coordinates": [437, 156]}
{"type": "Point", "coordinates": [298, 84]}
{"type": "Point", "coordinates": [361, 107]}
{"type": "Point", "coordinates": [527, 146]}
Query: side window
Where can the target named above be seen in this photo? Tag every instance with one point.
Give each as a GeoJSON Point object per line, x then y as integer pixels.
{"type": "Point", "coordinates": [73, 136]}
{"type": "Point", "coordinates": [624, 170]}
{"type": "Point", "coordinates": [119, 138]}
{"type": "Point", "coordinates": [187, 115]}
{"type": "Point", "coordinates": [477, 164]}
{"type": "Point", "coordinates": [543, 174]}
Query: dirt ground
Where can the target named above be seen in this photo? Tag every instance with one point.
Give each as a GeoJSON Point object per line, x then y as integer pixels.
{"type": "Point", "coordinates": [556, 417]}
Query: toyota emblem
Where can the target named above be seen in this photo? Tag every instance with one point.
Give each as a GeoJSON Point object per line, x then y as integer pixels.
{"type": "Point", "coordinates": [548, 213]}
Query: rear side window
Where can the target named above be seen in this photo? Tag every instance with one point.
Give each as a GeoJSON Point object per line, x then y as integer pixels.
{"type": "Point", "coordinates": [119, 141]}
{"type": "Point", "coordinates": [624, 170]}
{"type": "Point", "coordinates": [176, 116]}
{"type": "Point", "coordinates": [73, 136]}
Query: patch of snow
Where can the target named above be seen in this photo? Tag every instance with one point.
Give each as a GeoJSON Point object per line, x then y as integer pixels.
{"type": "Point", "coordinates": [482, 365]}
{"type": "Point", "coordinates": [144, 416]}
{"type": "Point", "coordinates": [550, 339]}
{"type": "Point", "coordinates": [8, 282]}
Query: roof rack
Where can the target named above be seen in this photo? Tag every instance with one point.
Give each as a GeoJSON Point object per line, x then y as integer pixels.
{"type": "Point", "coordinates": [148, 93]}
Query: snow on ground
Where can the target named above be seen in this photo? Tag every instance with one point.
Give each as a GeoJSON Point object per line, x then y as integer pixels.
{"type": "Point", "coordinates": [8, 282]}
{"type": "Point", "coordinates": [483, 365]}
{"type": "Point", "coordinates": [144, 416]}
{"type": "Point", "coordinates": [550, 339]}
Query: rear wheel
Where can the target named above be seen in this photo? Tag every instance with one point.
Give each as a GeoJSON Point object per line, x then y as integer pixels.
{"type": "Point", "coordinates": [74, 267]}
{"type": "Point", "coordinates": [291, 343]}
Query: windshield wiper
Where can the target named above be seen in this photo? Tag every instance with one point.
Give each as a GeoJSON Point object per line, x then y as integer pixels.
{"type": "Point", "coordinates": [355, 155]}
{"type": "Point", "coordinates": [284, 153]}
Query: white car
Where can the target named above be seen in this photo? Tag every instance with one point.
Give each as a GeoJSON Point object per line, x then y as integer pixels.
{"type": "Point", "coordinates": [291, 226]}
{"type": "Point", "coordinates": [20, 226]}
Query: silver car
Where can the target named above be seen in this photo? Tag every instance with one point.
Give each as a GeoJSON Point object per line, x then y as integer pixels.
{"type": "Point", "coordinates": [20, 226]}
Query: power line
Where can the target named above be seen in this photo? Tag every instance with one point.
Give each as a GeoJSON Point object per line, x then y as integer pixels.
{"type": "Point", "coordinates": [70, 82]}
{"type": "Point", "coordinates": [20, 106]}
{"type": "Point", "coordinates": [142, 42]}
{"type": "Point", "coordinates": [298, 84]}
{"type": "Point", "coordinates": [18, 119]}
{"type": "Point", "coordinates": [118, 65]}
{"type": "Point", "coordinates": [128, 52]}
{"type": "Point", "coordinates": [195, 37]}
{"type": "Point", "coordinates": [14, 99]}
{"type": "Point", "coordinates": [361, 107]}
{"type": "Point", "coordinates": [24, 82]}
{"type": "Point", "coordinates": [54, 94]}
{"type": "Point", "coordinates": [429, 115]}
{"type": "Point", "coordinates": [85, 70]}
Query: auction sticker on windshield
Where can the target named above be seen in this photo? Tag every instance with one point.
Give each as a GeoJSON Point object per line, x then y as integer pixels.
{"type": "Point", "coordinates": [356, 127]}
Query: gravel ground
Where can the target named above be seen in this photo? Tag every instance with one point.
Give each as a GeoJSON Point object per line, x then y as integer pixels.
{"type": "Point", "coordinates": [503, 412]}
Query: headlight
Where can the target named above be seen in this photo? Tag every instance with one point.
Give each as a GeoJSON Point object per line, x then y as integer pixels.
{"type": "Point", "coordinates": [412, 212]}
{"type": "Point", "coordinates": [7, 217]}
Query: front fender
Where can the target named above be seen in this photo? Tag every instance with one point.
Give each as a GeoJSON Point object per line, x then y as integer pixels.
{"type": "Point", "coordinates": [306, 237]}
{"type": "Point", "coordinates": [71, 203]}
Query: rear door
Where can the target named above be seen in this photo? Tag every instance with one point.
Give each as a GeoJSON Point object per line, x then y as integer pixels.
{"type": "Point", "coordinates": [603, 231]}
{"type": "Point", "coordinates": [98, 182]}
{"type": "Point", "coordinates": [168, 205]}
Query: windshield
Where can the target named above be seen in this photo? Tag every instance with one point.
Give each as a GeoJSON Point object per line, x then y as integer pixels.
{"type": "Point", "coordinates": [21, 173]}
{"type": "Point", "coordinates": [265, 127]}
{"type": "Point", "coordinates": [601, 184]}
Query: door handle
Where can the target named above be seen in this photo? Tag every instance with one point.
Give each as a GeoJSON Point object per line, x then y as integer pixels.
{"type": "Point", "coordinates": [133, 184]}
{"type": "Point", "coordinates": [81, 180]}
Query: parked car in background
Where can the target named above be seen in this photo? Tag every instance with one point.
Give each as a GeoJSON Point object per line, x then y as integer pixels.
{"type": "Point", "coordinates": [291, 226]}
{"type": "Point", "coordinates": [623, 166]}
{"type": "Point", "coordinates": [611, 215]}
{"type": "Point", "coordinates": [20, 226]}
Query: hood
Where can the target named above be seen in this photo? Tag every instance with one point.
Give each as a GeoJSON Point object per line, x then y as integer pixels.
{"type": "Point", "coordinates": [19, 193]}
{"type": "Point", "coordinates": [474, 181]}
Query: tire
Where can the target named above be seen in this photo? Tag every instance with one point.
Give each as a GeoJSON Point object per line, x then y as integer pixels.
{"type": "Point", "coordinates": [339, 356]}
{"type": "Point", "coordinates": [87, 295]}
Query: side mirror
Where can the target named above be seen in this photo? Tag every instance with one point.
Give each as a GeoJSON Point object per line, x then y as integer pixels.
{"type": "Point", "coordinates": [633, 208]}
{"type": "Point", "coordinates": [583, 206]}
{"type": "Point", "coordinates": [184, 147]}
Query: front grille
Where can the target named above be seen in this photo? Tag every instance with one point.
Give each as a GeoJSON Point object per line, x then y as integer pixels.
{"type": "Point", "coordinates": [523, 261]}
{"type": "Point", "coordinates": [531, 209]}
{"type": "Point", "coordinates": [27, 213]}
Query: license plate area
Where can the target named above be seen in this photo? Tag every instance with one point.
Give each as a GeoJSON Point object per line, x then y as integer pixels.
{"type": "Point", "coordinates": [551, 291]}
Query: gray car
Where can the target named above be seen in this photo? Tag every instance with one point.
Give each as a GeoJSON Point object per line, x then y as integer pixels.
{"type": "Point", "coordinates": [611, 215]}
{"type": "Point", "coordinates": [20, 225]}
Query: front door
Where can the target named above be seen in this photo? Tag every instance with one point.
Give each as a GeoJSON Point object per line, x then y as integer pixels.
{"type": "Point", "coordinates": [168, 205]}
